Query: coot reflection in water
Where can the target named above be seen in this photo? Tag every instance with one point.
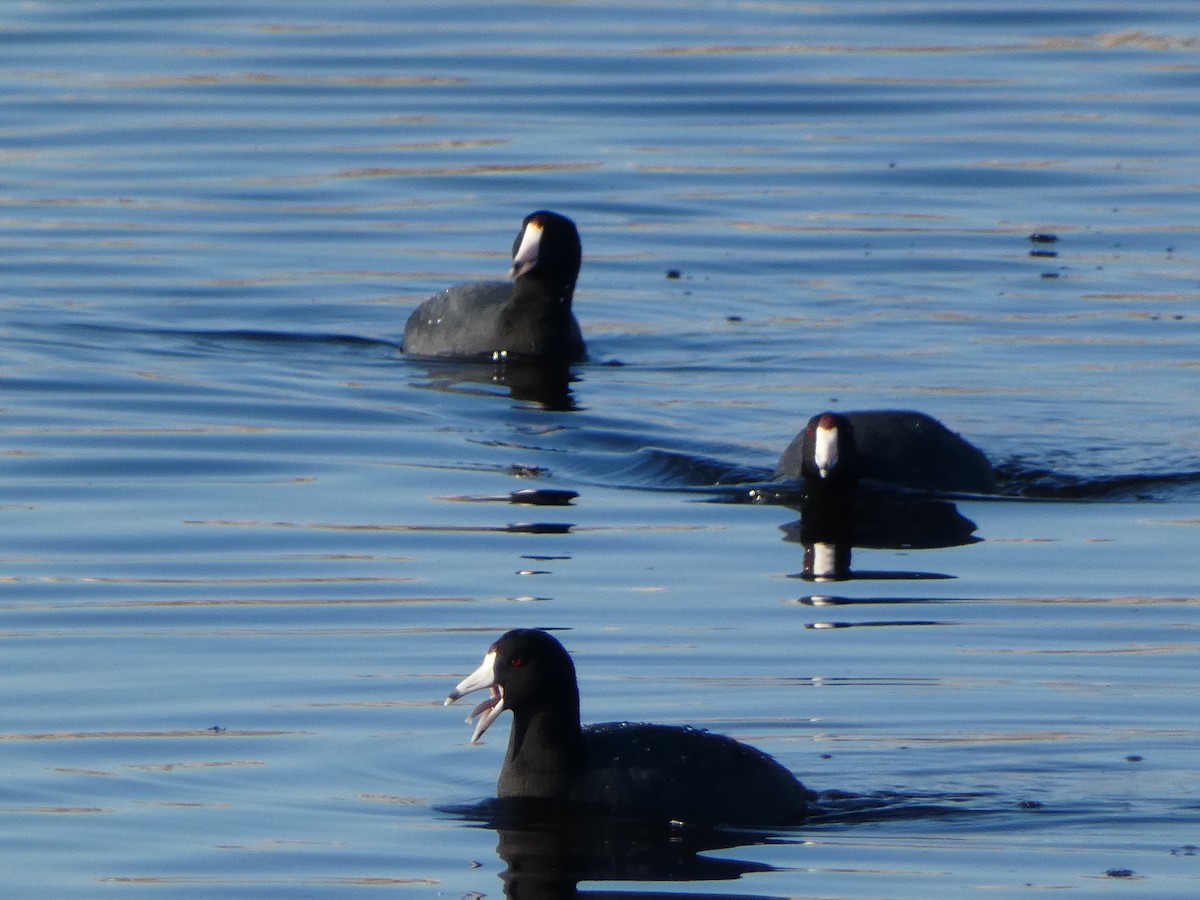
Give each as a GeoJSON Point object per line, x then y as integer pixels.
{"type": "Point", "coordinates": [548, 849]}
{"type": "Point", "coordinates": [829, 529]}
{"type": "Point", "coordinates": [546, 383]}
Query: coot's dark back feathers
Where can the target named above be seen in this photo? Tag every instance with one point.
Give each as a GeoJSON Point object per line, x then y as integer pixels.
{"type": "Point", "coordinates": [529, 318]}
{"type": "Point", "coordinates": [900, 447]}
{"type": "Point", "coordinates": [656, 772]}
{"type": "Point", "coordinates": [689, 775]}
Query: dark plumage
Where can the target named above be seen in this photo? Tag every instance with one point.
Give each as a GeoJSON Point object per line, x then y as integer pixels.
{"type": "Point", "coordinates": [657, 772]}
{"type": "Point", "coordinates": [527, 318]}
{"type": "Point", "coordinates": [900, 447]}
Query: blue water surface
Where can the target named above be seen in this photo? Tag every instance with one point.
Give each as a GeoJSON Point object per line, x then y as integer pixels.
{"type": "Point", "coordinates": [250, 546]}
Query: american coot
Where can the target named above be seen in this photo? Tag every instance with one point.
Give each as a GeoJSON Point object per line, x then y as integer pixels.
{"type": "Point", "coordinates": [899, 447]}
{"type": "Point", "coordinates": [527, 318]}
{"type": "Point", "coordinates": [654, 772]}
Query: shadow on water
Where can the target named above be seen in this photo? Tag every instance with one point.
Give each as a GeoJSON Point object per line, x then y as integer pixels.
{"type": "Point", "coordinates": [548, 849]}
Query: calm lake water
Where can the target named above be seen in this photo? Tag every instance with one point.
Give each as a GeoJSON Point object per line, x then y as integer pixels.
{"type": "Point", "coordinates": [249, 547]}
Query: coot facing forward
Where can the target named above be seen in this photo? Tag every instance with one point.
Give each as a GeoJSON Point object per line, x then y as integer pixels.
{"type": "Point", "coordinates": [900, 447]}
{"type": "Point", "coordinates": [659, 772]}
{"type": "Point", "coordinates": [529, 317]}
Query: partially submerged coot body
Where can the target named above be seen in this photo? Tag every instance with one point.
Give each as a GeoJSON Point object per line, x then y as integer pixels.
{"type": "Point", "coordinates": [528, 318]}
{"type": "Point", "coordinates": [899, 447]}
{"type": "Point", "coordinates": [656, 772]}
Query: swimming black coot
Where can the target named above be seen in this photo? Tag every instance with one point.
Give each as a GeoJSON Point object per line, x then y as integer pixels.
{"type": "Point", "coordinates": [900, 447]}
{"type": "Point", "coordinates": [527, 318]}
{"type": "Point", "coordinates": [657, 772]}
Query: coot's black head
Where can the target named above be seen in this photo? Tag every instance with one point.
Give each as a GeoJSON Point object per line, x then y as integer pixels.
{"type": "Point", "coordinates": [828, 451]}
{"type": "Point", "coordinates": [527, 671]}
{"type": "Point", "coordinates": [547, 249]}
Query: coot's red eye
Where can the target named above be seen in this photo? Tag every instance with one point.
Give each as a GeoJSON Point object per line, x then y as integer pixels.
{"type": "Point", "coordinates": [517, 661]}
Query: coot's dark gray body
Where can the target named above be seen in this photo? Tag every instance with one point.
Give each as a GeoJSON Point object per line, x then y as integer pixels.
{"type": "Point", "coordinates": [900, 447]}
{"type": "Point", "coordinates": [656, 772]}
{"type": "Point", "coordinates": [529, 317]}
{"type": "Point", "coordinates": [672, 773]}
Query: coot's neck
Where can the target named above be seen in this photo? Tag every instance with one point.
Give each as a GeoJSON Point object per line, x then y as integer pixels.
{"type": "Point", "coordinates": [545, 750]}
{"type": "Point", "coordinates": [552, 294]}
{"type": "Point", "coordinates": [538, 321]}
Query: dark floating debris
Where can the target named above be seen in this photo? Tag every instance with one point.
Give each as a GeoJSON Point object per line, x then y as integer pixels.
{"type": "Point", "coordinates": [890, 623]}
{"type": "Point", "coordinates": [872, 575]}
{"type": "Point", "coordinates": [523, 497]}
{"type": "Point", "coordinates": [1133, 757]}
{"type": "Point", "coordinates": [734, 319]}
{"type": "Point", "coordinates": [828, 600]}
{"type": "Point", "coordinates": [539, 528]}
{"type": "Point", "coordinates": [1049, 274]}
{"type": "Point", "coordinates": [674, 274]}
{"type": "Point", "coordinates": [1030, 804]}
{"type": "Point", "coordinates": [1119, 873]}
{"type": "Point", "coordinates": [1041, 237]}
{"type": "Point", "coordinates": [542, 497]}
{"type": "Point", "coordinates": [522, 471]}
{"type": "Point", "coordinates": [1043, 253]}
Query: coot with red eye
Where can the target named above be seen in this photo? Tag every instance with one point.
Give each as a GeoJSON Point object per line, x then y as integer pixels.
{"type": "Point", "coordinates": [893, 446]}
{"type": "Point", "coordinates": [656, 772]}
{"type": "Point", "coordinates": [528, 318]}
